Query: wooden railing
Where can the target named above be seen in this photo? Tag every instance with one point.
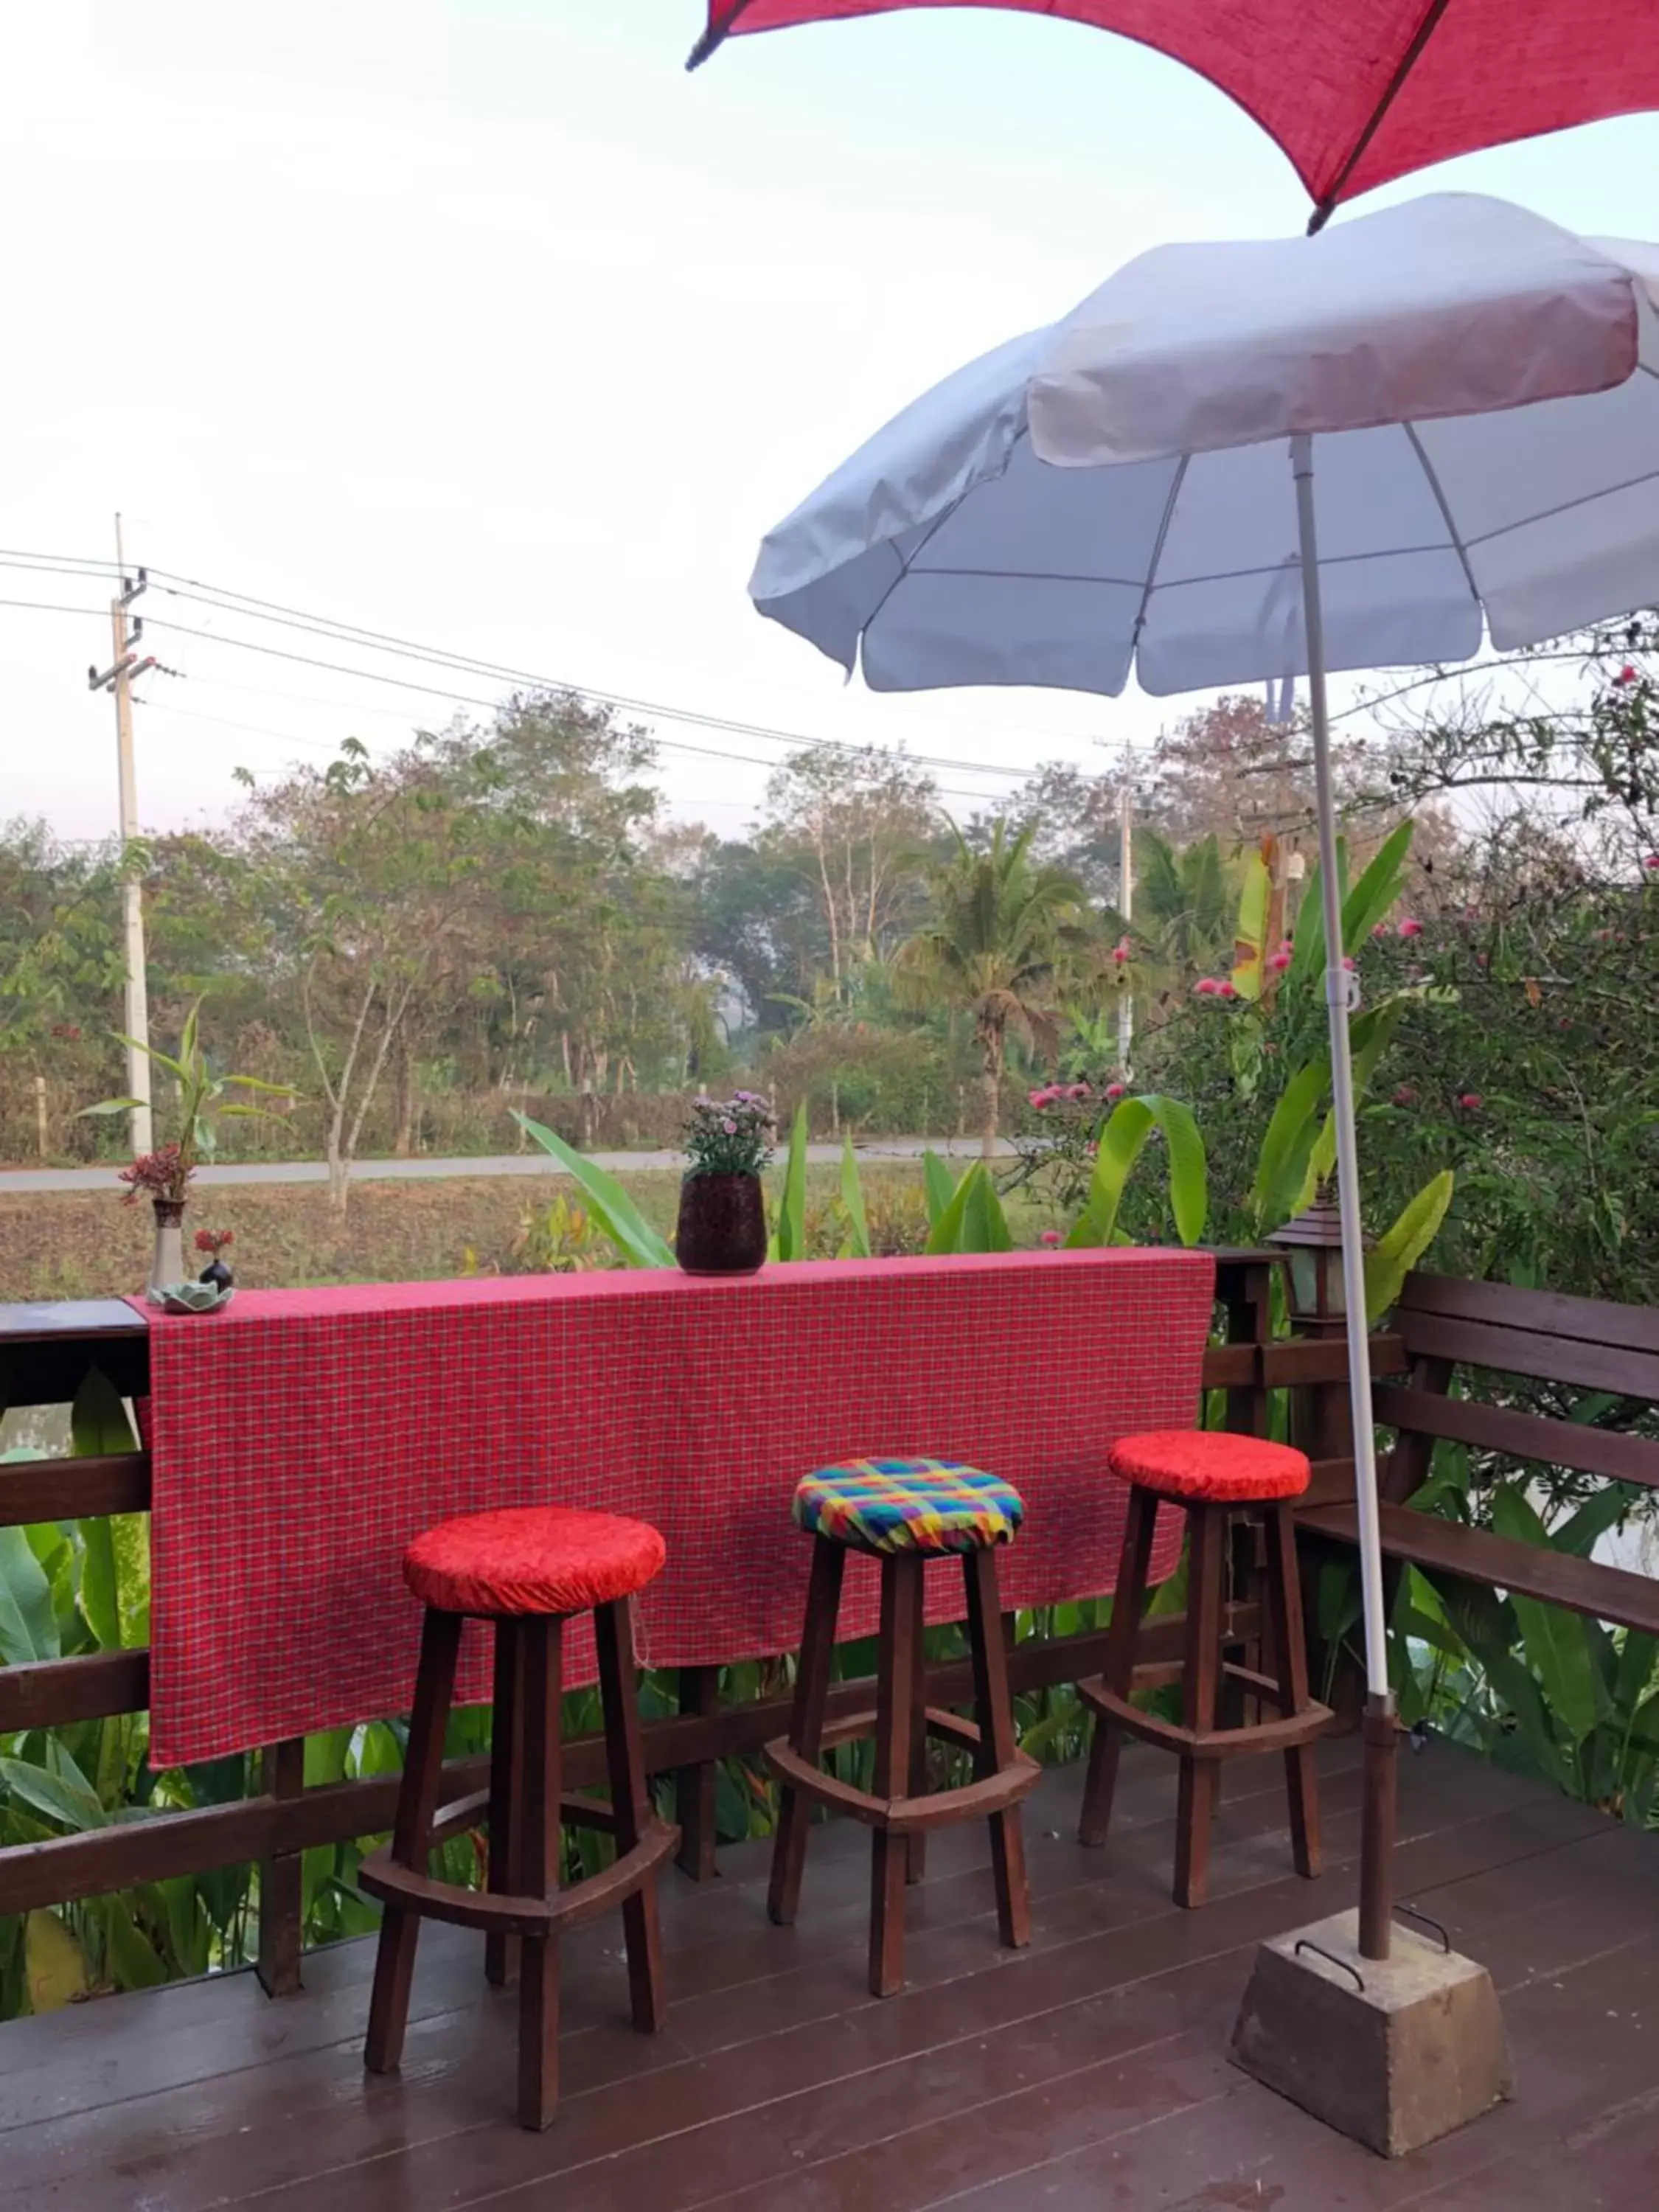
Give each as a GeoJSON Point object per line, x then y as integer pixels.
{"type": "Point", "coordinates": [44, 1354]}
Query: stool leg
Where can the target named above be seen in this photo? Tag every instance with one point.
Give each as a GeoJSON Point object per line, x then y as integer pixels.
{"type": "Point", "coordinates": [505, 1768]}
{"type": "Point", "coordinates": [817, 1651]}
{"type": "Point", "coordinates": [1196, 1807]}
{"type": "Point", "coordinates": [916, 1786]}
{"type": "Point", "coordinates": [993, 1709]}
{"type": "Point", "coordinates": [901, 1584]}
{"type": "Point", "coordinates": [613, 1629]}
{"type": "Point", "coordinates": [1134, 1562]}
{"type": "Point", "coordinates": [417, 1806]}
{"type": "Point", "coordinates": [542, 1641]}
{"type": "Point", "coordinates": [1302, 1763]}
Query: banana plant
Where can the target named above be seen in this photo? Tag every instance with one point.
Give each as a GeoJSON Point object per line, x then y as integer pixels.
{"type": "Point", "coordinates": [1122, 1140]}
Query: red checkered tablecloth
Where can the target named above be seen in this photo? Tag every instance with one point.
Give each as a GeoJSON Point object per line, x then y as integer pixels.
{"type": "Point", "coordinates": [302, 1438]}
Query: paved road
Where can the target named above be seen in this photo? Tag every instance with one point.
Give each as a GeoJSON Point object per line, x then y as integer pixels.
{"type": "Point", "coordinates": [23, 1180]}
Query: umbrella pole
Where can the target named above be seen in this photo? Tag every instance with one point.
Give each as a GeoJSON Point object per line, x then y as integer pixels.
{"type": "Point", "coordinates": [1381, 1731]}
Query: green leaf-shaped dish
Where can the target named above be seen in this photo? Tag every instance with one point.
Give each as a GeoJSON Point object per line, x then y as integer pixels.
{"type": "Point", "coordinates": [191, 1298]}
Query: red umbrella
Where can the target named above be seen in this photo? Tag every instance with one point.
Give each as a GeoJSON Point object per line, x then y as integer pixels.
{"type": "Point", "coordinates": [1355, 92]}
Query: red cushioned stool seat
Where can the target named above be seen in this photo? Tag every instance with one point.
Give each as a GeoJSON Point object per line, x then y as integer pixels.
{"type": "Point", "coordinates": [531, 1560]}
{"type": "Point", "coordinates": [1210, 1464]}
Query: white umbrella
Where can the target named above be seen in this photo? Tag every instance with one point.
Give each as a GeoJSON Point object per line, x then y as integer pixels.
{"type": "Point", "coordinates": [1133, 488]}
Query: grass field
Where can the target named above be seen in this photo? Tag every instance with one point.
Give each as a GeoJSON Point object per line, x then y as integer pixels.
{"type": "Point", "coordinates": [70, 1244]}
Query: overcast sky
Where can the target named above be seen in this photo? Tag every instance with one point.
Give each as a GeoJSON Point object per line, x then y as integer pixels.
{"type": "Point", "coordinates": [480, 324]}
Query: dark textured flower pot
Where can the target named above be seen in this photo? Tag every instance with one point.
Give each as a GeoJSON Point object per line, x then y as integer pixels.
{"type": "Point", "coordinates": [722, 1229]}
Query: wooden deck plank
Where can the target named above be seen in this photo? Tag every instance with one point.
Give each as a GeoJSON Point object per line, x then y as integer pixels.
{"type": "Point", "coordinates": [1097, 2060]}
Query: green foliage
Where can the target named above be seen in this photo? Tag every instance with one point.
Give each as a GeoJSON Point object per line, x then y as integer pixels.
{"type": "Point", "coordinates": [857, 1244]}
{"type": "Point", "coordinates": [973, 1219]}
{"type": "Point", "coordinates": [1399, 1248]}
{"type": "Point", "coordinates": [202, 1101]}
{"type": "Point", "coordinates": [1122, 1140]}
{"type": "Point", "coordinates": [612, 1209]}
{"type": "Point", "coordinates": [788, 1240]}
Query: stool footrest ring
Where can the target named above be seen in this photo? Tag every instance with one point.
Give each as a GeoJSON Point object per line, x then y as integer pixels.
{"type": "Point", "coordinates": [940, 1808]}
{"type": "Point", "coordinates": [502, 1914]}
{"type": "Point", "coordinates": [1288, 1732]}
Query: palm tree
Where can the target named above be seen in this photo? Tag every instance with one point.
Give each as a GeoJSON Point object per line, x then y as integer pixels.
{"type": "Point", "coordinates": [1184, 902]}
{"type": "Point", "coordinates": [1001, 935]}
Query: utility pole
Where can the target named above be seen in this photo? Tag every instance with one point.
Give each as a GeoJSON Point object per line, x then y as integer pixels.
{"type": "Point", "coordinates": [117, 679]}
{"type": "Point", "coordinates": [1126, 886]}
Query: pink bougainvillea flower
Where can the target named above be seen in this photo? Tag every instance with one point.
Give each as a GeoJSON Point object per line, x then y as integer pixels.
{"type": "Point", "coordinates": [1411, 928]}
{"type": "Point", "coordinates": [1471, 1102]}
{"type": "Point", "coordinates": [1280, 961]}
{"type": "Point", "coordinates": [1051, 1237]}
{"type": "Point", "coordinates": [1114, 1091]}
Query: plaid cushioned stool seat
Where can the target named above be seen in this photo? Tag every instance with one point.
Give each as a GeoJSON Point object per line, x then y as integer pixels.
{"type": "Point", "coordinates": [897, 1505]}
{"type": "Point", "coordinates": [1210, 1465]}
{"type": "Point", "coordinates": [531, 1560]}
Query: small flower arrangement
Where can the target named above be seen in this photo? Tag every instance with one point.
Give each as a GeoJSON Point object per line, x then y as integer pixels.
{"type": "Point", "coordinates": [213, 1242]}
{"type": "Point", "coordinates": [163, 1175]}
{"type": "Point", "coordinates": [730, 1137]}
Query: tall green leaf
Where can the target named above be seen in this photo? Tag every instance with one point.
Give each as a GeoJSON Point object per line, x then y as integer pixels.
{"type": "Point", "coordinates": [1369, 1035]}
{"type": "Point", "coordinates": [1394, 1254]}
{"type": "Point", "coordinates": [28, 1627]}
{"type": "Point", "coordinates": [1250, 946]}
{"type": "Point", "coordinates": [1287, 1145]}
{"type": "Point", "coordinates": [790, 1236]}
{"type": "Point", "coordinates": [945, 1235]}
{"type": "Point", "coordinates": [1553, 1639]}
{"type": "Point", "coordinates": [1129, 1124]}
{"type": "Point", "coordinates": [984, 1224]}
{"type": "Point", "coordinates": [938, 1184]}
{"type": "Point", "coordinates": [1377, 889]}
{"type": "Point", "coordinates": [69, 1799]}
{"type": "Point", "coordinates": [612, 1210]}
{"type": "Point", "coordinates": [856, 1244]}
{"type": "Point", "coordinates": [98, 1427]}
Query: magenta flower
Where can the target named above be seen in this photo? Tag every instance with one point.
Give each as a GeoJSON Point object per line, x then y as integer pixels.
{"type": "Point", "coordinates": [1410, 928]}
{"type": "Point", "coordinates": [1350, 965]}
{"type": "Point", "coordinates": [1627, 674]}
{"type": "Point", "coordinates": [1039, 1098]}
{"type": "Point", "coordinates": [1280, 961]}
{"type": "Point", "coordinates": [1226, 989]}
{"type": "Point", "coordinates": [1471, 1102]}
{"type": "Point", "coordinates": [1379, 929]}
{"type": "Point", "coordinates": [1078, 1090]}
{"type": "Point", "coordinates": [1651, 861]}
{"type": "Point", "coordinates": [1114, 1091]}
{"type": "Point", "coordinates": [1051, 1237]}
{"type": "Point", "coordinates": [730, 1128]}
{"type": "Point", "coordinates": [1206, 986]}
{"type": "Point", "coordinates": [1405, 1095]}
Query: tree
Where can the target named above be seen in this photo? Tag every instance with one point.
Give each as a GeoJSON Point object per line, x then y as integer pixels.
{"type": "Point", "coordinates": [851, 825]}
{"type": "Point", "coordinates": [1001, 935]}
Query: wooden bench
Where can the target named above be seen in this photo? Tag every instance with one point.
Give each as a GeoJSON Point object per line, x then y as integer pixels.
{"type": "Point", "coordinates": [1444, 1324]}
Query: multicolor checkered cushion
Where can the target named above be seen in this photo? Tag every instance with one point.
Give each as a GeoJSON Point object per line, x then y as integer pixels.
{"type": "Point", "coordinates": [908, 1505]}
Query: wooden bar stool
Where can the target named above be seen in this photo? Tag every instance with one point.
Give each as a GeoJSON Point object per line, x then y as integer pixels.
{"type": "Point", "coordinates": [527, 1570]}
{"type": "Point", "coordinates": [902, 1512]}
{"type": "Point", "coordinates": [1214, 1475]}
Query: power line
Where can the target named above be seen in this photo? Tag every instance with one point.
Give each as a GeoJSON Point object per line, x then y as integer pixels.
{"type": "Point", "coordinates": [177, 585]}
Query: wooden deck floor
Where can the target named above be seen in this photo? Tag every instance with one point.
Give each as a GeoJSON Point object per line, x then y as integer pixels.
{"type": "Point", "coordinates": [1091, 2071]}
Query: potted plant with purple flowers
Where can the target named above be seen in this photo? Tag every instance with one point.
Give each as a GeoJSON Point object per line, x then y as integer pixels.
{"type": "Point", "coordinates": [722, 1225]}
